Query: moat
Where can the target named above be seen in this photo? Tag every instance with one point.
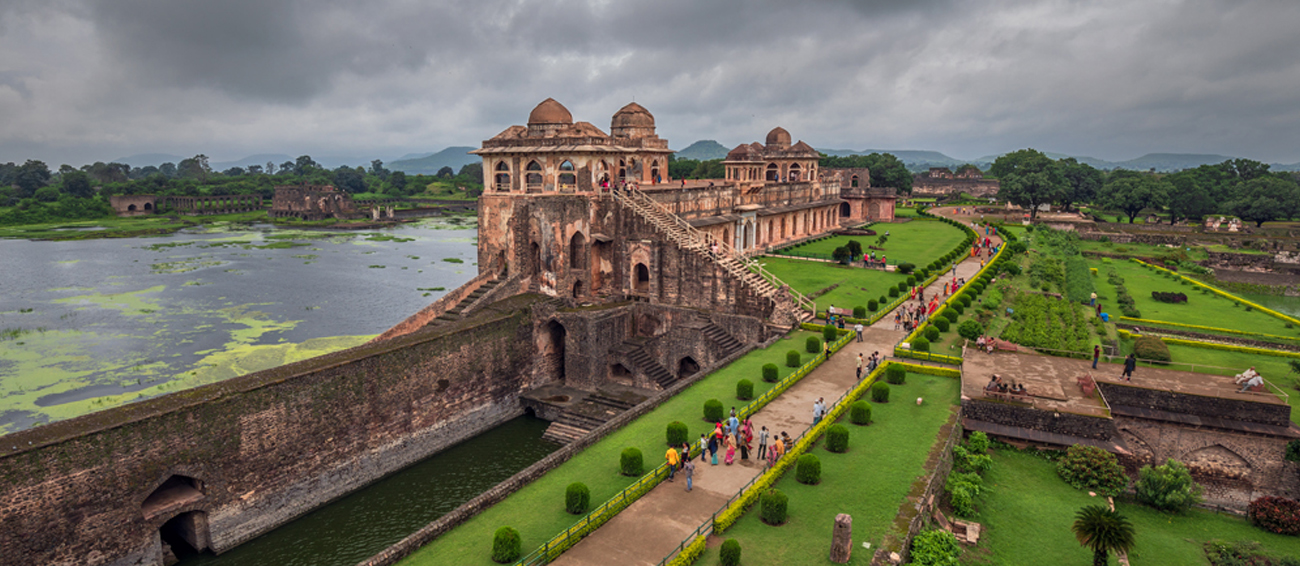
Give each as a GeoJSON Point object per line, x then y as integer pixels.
{"type": "Point", "coordinates": [90, 324]}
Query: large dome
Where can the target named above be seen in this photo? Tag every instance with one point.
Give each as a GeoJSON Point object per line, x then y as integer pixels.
{"type": "Point", "coordinates": [550, 112]}
{"type": "Point", "coordinates": [632, 116]}
{"type": "Point", "coordinates": [778, 137]}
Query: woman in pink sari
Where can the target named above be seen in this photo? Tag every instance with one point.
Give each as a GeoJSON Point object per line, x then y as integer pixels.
{"type": "Point", "coordinates": [731, 448]}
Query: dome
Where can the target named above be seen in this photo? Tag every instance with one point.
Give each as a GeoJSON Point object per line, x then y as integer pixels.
{"type": "Point", "coordinates": [550, 112]}
{"type": "Point", "coordinates": [632, 116]}
{"type": "Point", "coordinates": [778, 137]}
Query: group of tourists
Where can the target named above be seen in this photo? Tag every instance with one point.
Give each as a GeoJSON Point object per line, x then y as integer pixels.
{"type": "Point", "coordinates": [869, 363]}
{"type": "Point", "coordinates": [1248, 379]}
{"type": "Point", "coordinates": [996, 384]}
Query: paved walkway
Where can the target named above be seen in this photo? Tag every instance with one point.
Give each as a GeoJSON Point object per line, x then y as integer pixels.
{"type": "Point", "coordinates": [653, 526]}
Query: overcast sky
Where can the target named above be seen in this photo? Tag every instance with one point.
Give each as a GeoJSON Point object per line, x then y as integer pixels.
{"type": "Point", "coordinates": [94, 80]}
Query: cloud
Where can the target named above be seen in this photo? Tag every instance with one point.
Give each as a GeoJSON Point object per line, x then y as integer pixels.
{"type": "Point", "coordinates": [94, 80]}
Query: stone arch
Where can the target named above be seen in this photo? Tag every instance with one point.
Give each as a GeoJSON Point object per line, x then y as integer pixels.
{"type": "Point", "coordinates": [1218, 461]}
{"type": "Point", "coordinates": [503, 265]}
{"type": "Point", "coordinates": [578, 251]}
{"type": "Point", "coordinates": [620, 374]}
{"type": "Point", "coordinates": [686, 367]}
{"type": "Point", "coordinates": [535, 258]}
{"type": "Point", "coordinates": [845, 210]}
{"type": "Point", "coordinates": [641, 278]}
{"type": "Point", "coordinates": [654, 171]}
{"type": "Point", "coordinates": [130, 208]}
{"type": "Point", "coordinates": [502, 178]}
{"type": "Point", "coordinates": [534, 174]}
{"type": "Point", "coordinates": [174, 506]}
{"type": "Point", "coordinates": [568, 179]}
{"type": "Point", "coordinates": [773, 172]}
{"type": "Point", "coordinates": [148, 206]}
{"type": "Point", "coordinates": [577, 289]}
{"type": "Point", "coordinates": [553, 350]}
{"type": "Point", "coordinates": [853, 182]}
{"type": "Point", "coordinates": [795, 171]}
{"type": "Point", "coordinates": [875, 210]}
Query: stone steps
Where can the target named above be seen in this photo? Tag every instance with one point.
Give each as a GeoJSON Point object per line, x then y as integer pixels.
{"type": "Point", "coordinates": [454, 313]}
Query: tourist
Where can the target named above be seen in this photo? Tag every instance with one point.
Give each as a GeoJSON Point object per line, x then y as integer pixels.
{"type": "Point", "coordinates": [762, 443]}
{"type": "Point", "coordinates": [713, 448]}
{"type": "Point", "coordinates": [688, 470]}
{"type": "Point", "coordinates": [1130, 364]}
{"type": "Point", "coordinates": [859, 374]}
{"type": "Point", "coordinates": [1098, 309]}
{"type": "Point", "coordinates": [841, 323]}
{"type": "Point", "coordinates": [1246, 375]}
{"type": "Point", "coordinates": [733, 424]}
{"type": "Point", "coordinates": [786, 442]}
{"type": "Point", "coordinates": [704, 445]}
{"type": "Point", "coordinates": [898, 320]}
{"type": "Point", "coordinates": [858, 329]}
{"type": "Point", "coordinates": [817, 410]}
{"type": "Point", "coordinates": [1096, 354]}
{"type": "Point", "coordinates": [746, 437]}
{"type": "Point", "coordinates": [673, 457]}
{"type": "Point", "coordinates": [993, 383]}
{"type": "Point", "coordinates": [731, 449]}
{"type": "Point", "coordinates": [1254, 381]}
{"type": "Point", "coordinates": [1093, 299]}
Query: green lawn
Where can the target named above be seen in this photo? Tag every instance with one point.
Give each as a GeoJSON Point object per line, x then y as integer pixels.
{"type": "Point", "coordinates": [857, 285]}
{"type": "Point", "coordinates": [1206, 309]}
{"type": "Point", "coordinates": [1027, 511]}
{"type": "Point", "coordinates": [869, 482]}
{"type": "Point", "coordinates": [1195, 253]}
{"type": "Point", "coordinates": [918, 242]}
{"type": "Point", "coordinates": [537, 510]}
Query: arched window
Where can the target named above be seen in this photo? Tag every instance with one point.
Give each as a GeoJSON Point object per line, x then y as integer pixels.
{"type": "Point", "coordinates": [502, 176]}
{"type": "Point", "coordinates": [534, 176]}
{"type": "Point", "coordinates": [794, 173]}
{"type": "Point", "coordinates": [654, 172]}
{"type": "Point", "coordinates": [853, 182]}
{"type": "Point", "coordinates": [578, 251]}
{"type": "Point", "coordinates": [773, 173]}
{"type": "Point", "coordinates": [642, 283]}
{"type": "Point", "coordinates": [567, 179]}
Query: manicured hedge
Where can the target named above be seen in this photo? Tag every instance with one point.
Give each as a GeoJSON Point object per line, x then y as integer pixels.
{"type": "Point", "coordinates": [713, 410]}
{"type": "Point", "coordinates": [860, 413]}
{"type": "Point", "coordinates": [808, 470]}
{"type": "Point", "coordinates": [744, 390]}
{"type": "Point", "coordinates": [932, 332]}
{"type": "Point", "coordinates": [792, 358]}
{"type": "Point", "coordinates": [830, 334]}
{"type": "Point", "coordinates": [576, 498]}
{"type": "Point", "coordinates": [630, 462]}
{"type": "Point", "coordinates": [880, 393]}
{"type": "Point", "coordinates": [921, 344]}
{"type": "Point", "coordinates": [942, 325]}
{"type": "Point", "coordinates": [770, 373]}
{"type": "Point", "coordinates": [506, 545]}
{"type": "Point", "coordinates": [813, 345]}
{"type": "Point", "coordinates": [676, 433]}
{"type": "Point", "coordinates": [837, 438]}
{"type": "Point", "coordinates": [895, 374]}
{"type": "Point", "coordinates": [729, 553]}
{"type": "Point", "coordinates": [1276, 515]}
{"type": "Point", "coordinates": [872, 306]}
{"type": "Point", "coordinates": [1151, 348]}
{"type": "Point", "coordinates": [772, 507]}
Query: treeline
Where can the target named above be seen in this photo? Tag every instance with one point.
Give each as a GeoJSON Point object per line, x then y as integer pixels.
{"type": "Point", "coordinates": [1238, 187]}
{"type": "Point", "coordinates": [35, 194]}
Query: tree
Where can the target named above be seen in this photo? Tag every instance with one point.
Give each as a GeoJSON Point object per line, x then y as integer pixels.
{"type": "Point", "coordinates": [1135, 193]}
{"type": "Point", "coordinates": [681, 168]}
{"type": "Point", "coordinates": [168, 170]}
{"type": "Point", "coordinates": [287, 168]}
{"type": "Point", "coordinates": [1081, 182]}
{"type": "Point", "coordinates": [445, 173]}
{"type": "Point", "coordinates": [841, 255]}
{"type": "Point", "coordinates": [474, 171]}
{"type": "Point", "coordinates": [349, 179]}
{"type": "Point", "coordinates": [377, 169]}
{"type": "Point", "coordinates": [77, 184]}
{"type": "Point", "coordinates": [194, 168]}
{"type": "Point", "coordinates": [1028, 178]}
{"type": "Point", "coordinates": [31, 175]}
{"type": "Point", "coordinates": [709, 169]}
{"type": "Point", "coordinates": [886, 170]}
{"type": "Point", "coordinates": [1266, 198]}
{"type": "Point", "coordinates": [47, 194]}
{"type": "Point", "coordinates": [234, 172]}
{"type": "Point", "coordinates": [254, 169]}
{"type": "Point", "coordinates": [304, 165]}
{"type": "Point", "coordinates": [1103, 531]}
{"type": "Point", "coordinates": [1167, 487]}
{"type": "Point", "coordinates": [1191, 196]}
{"type": "Point", "coordinates": [397, 180]}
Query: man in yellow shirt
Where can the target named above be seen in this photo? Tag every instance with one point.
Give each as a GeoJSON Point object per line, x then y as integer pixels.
{"type": "Point", "coordinates": [673, 458]}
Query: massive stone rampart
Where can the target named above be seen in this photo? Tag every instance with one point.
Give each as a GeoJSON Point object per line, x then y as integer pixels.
{"type": "Point", "coordinates": [256, 451]}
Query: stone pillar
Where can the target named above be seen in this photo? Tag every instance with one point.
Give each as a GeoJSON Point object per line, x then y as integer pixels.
{"type": "Point", "coordinates": [842, 539]}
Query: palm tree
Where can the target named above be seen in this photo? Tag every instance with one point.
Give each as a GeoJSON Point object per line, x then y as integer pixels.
{"type": "Point", "coordinates": [1103, 531]}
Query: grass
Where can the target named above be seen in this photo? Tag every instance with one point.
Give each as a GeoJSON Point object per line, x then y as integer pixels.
{"type": "Point", "coordinates": [537, 510]}
{"type": "Point", "coordinates": [1206, 309]}
{"type": "Point", "coordinates": [918, 242]}
{"type": "Point", "coordinates": [113, 227]}
{"type": "Point", "coordinates": [1195, 253]}
{"type": "Point", "coordinates": [856, 285]}
{"type": "Point", "coordinates": [869, 482]}
{"type": "Point", "coordinates": [1027, 511]}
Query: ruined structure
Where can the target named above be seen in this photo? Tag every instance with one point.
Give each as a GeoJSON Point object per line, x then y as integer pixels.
{"type": "Point", "coordinates": [136, 205]}
{"type": "Point", "coordinates": [861, 200]}
{"type": "Point", "coordinates": [312, 202]}
{"type": "Point", "coordinates": [133, 205]}
{"type": "Point", "coordinates": [941, 182]}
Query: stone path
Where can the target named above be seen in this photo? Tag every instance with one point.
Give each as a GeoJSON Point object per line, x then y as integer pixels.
{"type": "Point", "coordinates": [653, 526]}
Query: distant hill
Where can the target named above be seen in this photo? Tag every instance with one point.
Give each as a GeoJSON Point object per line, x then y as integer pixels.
{"type": "Point", "coordinates": [147, 159]}
{"type": "Point", "coordinates": [454, 157]}
{"type": "Point", "coordinates": [1171, 161]}
{"type": "Point", "coordinates": [914, 160]}
{"type": "Point", "coordinates": [703, 150]}
{"type": "Point", "coordinates": [258, 159]}
{"type": "Point", "coordinates": [414, 156]}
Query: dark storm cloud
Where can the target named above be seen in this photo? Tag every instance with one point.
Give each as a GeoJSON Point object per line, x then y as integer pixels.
{"type": "Point", "coordinates": [1108, 78]}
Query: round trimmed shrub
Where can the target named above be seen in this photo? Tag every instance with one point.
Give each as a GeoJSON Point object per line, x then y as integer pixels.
{"type": "Point", "coordinates": [506, 545]}
{"type": "Point", "coordinates": [950, 314]}
{"type": "Point", "coordinates": [744, 390]}
{"type": "Point", "coordinates": [911, 280]}
{"type": "Point", "coordinates": [958, 308]}
{"type": "Point", "coordinates": [830, 334]}
{"type": "Point", "coordinates": [872, 305]}
{"type": "Point", "coordinates": [859, 312]}
{"type": "Point", "coordinates": [630, 462]}
{"type": "Point", "coordinates": [860, 413]}
{"type": "Point", "coordinates": [893, 292]}
{"type": "Point", "coordinates": [896, 374]}
{"type": "Point", "coordinates": [677, 433]}
{"type": "Point", "coordinates": [970, 329]}
{"type": "Point", "coordinates": [921, 344]}
{"type": "Point", "coordinates": [770, 373]}
{"type": "Point", "coordinates": [792, 359]}
{"type": "Point", "coordinates": [837, 438]}
{"type": "Point", "coordinates": [1089, 467]}
{"type": "Point", "coordinates": [808, 470]}
{"type": "Point", "coordinates": [906, 267]}
{"type": "Point", "coordinates": [942, 325]}
{"type": "Point", "coordinates": [772, 507]}
{"type": "Point", "coordinates": [965, 299]}
{"type": "Point", "coordinates": [880, 393]}
{"type": "Point", "coordinates": [729, 553]}
{"type": "Point", "coordinates": [576, 498]}
{"type": "Point", "coordinates": [902, 286]}
{"type": "Point", "coordinates": [813, 345]}
{"type": "Point", "coordinates": [882, 300]}
{"type": "Point", "coordinates": [931, 333]}
{"type": "Point", "coordinates": [713, 410]}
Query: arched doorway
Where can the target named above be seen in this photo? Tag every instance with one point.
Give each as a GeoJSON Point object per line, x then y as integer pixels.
{"type": "Point", "coordinates": [130, 208]}
{"type": "Point", "coordinates": [794, 173]}
{"type": "Point", "coordinates": [148, 206]}
{"type": "Point", "coordinates": [687, 367]}
{"type": "Point", "coordinates": [578, 251]}
{"type": "Point", "coordinates": [502, 176]}
{"type": "Point", "coordinates": [534, 176]}
{"type": "Point", "coordinates": [568, 181]}
{"type": "Point", "coordinates": [654, 172]}
{"type": "Point", "coordinates": [845, 210]}
{"type": "Point", "coordinates": [553, 350]}
{"type": "Point", "coordinates": [577, 289]}
{"type": "Point", "coordinates": [773, 173]}
{"type": "Point", "coordinates": [502, 264]}
{"type": "Point", "coordinates": [853, 182]}
{"type": "Point", "coordinates": [186, 531]}
{"type": "Point", "coordinates": [642, 282]}
{"type": "Point", "coordinates": [535, 258]}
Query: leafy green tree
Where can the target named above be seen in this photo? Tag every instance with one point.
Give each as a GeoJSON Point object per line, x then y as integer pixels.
{"type": "Point", "coordinates": [841, 255]}
{"type": "Point", "coordinates": [1029, 179]}
{"type": "Point", "coordinates": [377, 169]}
{"type": "Point", "coordinates": [77, 184]}
{"type": "Point", "coordinates": [1103, 531]}
{"type": "Point", "coordinates": [255, 170]}
{"type": "Point", "coordinates": [47, 194]}
{"type": "Point", "coordinates": [472, 172]}
{"type": "Point", "coordinates": [709, 169]}
{"type": "Point", "coordinates": [303, 165]}
{"type": "Point", "coordinates": [194, 168]}
{"type": "Point", "coordinates": [1266, 198]}
{"type": "Point", "coordinates": [349, 179]}
{"type": "Point", "coordinates": [168, 170]}
{"type": "Point", "coordinates": [445, 173]}
{"type": "Point", "coordinates": [287, 168]}
{"type": "Point", "coordinates": [30, 176]}
{"type": "Point", "coordinates": [681, 168]}
{"type": "Point", "coordinates": [397, 180]}
{"type": "Point", "coordinates": [1167, 487]}
{"type": "Point", "coordinates": [1082, 181]}
{"type": "Point", "coordinates": [886, 169]}
{"type": "Point", "coordinates": [1191, 197]}
{"type": "Point", "coordinates": [1133, 194]}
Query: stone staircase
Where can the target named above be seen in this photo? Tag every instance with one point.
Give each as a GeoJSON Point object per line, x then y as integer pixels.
{"type": "Point", "coordinates": [725, 341]}
{"type": "Point", "coordinates": [454, 313]}
{"type": "Point", "coordinates": [687, 237]}
{"type": "Point", "coordinates": [652, 369]}
{"type": "Point", "coordinates": [585, 416]}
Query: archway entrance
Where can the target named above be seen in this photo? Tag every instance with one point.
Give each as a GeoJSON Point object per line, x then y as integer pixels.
{"type": "Point", "coordinates": [577, 289]}
{"type": "Point", "coordinates": [845, 210]}
{"type": "Point", "coordinates": [578, 251]}
{"type": "Point", "coordinates": [553, 350]}
{"type": "Point", "coordinates": [535, 258]}
{"type": "Point", "coordinates": [186, 532]}
{"type": "Point", "coordinates": [687, 367]}
{"type": "Point", "coordinates": [642, 282]}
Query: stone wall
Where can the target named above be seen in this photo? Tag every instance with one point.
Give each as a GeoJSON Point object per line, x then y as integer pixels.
{"type": "Point", "coordinates": [263, 448]}
{"type": "Point", "coordinates": [1217, 407]}
{"type": "Point", "coordinates": [916, 511]}
{"type": "Point", "coordinates": [133, 205]}
{"type": "Point", "coordinates": [1070, 424]}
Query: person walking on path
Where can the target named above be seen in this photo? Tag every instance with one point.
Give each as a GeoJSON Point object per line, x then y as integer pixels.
{"type": "Point", "coordinates": [731, 449]}
{"type": "Point", "coordinates": [859, 375]}
{"type": "Point", "coordinates": [713, 448]}
{"type": "Point", "coordinates": [898, 319]}
{"type": "Point", "coordinates": [688, 470]}
{"type": "Point", "coordinates": [673, 458]}
{"type": "Point", "coordinates": [1096, 354]}
{"type": "Point", "coordinates": [746, 437]}
{"type": "Point", "coordinates": [733, 424]}
{"type": "Point", "coordinates": [1130, 363]}
{"type": "Point", "coordinates": [858, 328]}
{"type": "Point", "coordinates": [1094, 299]}
{"type": "Point", "coordinates": [762, 443]}
{"type": "Point", "coordinates": [704, 445]}
{"type": "Point", "coordinates": [818, 411]}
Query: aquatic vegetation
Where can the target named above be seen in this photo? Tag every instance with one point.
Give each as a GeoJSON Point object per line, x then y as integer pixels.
{"type": "Point", "coordinates": [453, 260]}
{"type": "Point", "coordinates": [376, 267]}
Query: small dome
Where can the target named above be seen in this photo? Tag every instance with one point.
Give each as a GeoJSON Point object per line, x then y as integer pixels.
{"type": "Point", "coordinates": [550, 112]}
{"type": "Point", "coordinates": [778, 137]}
{"type": "Point", "coordinates": [632, 116]}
